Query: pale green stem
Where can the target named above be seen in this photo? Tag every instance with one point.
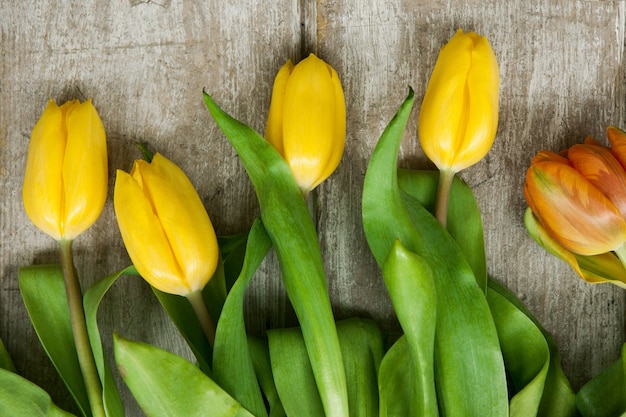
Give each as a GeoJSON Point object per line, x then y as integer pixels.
{"type": "Point", "coordinates": [203, 315]}
{"type": "Point", "coordinates": [443, 194]}
{"type": "Point", "coordinates": [621, 254]}
{"type": "Point", "coordinates": [79, 330]}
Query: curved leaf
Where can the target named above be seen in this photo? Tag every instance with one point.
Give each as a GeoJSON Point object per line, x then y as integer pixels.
{"type": "Point", "coordinates": [5, 359]}
{"type": "Point", "coordinates": [43, 291]}
{"type": "Point", "coordinates": [396, 381]}
{"type": "Point", "coordinates": [91, 301]}
{"type": "Point", "coordinates": [467, 351]}
{"type": "Point", "coordinates": [232, 366]}
{"type": "Point", "coordinates": [19, 398]}
{"type": "Point", "coordinates": [167, 385]}
{"type": "Point", "coordinates": [259, 352]}
{"type": "Point", "coordinates": [411, 287]}
{"type": "Point", "coordinates": [287, 221]}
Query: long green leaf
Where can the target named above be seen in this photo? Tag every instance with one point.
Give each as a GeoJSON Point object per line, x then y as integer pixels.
{"type": "Point", "coordinates": [286, 218]}
{"type": "Point", "coordinates": [166, 385]}
{"type": "Point", "coordinates": [396, 381]}
{"type": "Point", "coordinates": [605, 394]}
{"type": "Point", "coordinates": [20, 398]}
{"type": "Point", "coordinates": [91, 301]}
{"type": "Point", "coordinates": [526, 355]}
{"type": "Point", "coordinates": [232, 365]}
{"type": "Point", "coordinates": [259, 352]}
{"type": "Point", "coordinates": [558, 398]}
{"type": "Point", "coordinates": [362, 348]}
{"type": "Point", "coordinates": [410, 283]}
{"type": "Point", "coordinates": [467, 352]}
{"type": "Point", "coordinates": [464, 221]}
{"type": "Point", "coordinates": [292, 372]}
{"type": "Point", "coordinates": [43, 291]}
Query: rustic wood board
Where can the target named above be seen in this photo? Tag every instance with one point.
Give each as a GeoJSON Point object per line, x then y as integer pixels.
{"type": "Point", "coordinates": [145, 64]}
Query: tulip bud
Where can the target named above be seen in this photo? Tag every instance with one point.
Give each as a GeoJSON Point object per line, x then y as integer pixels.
{"type": "Point", "coordinates": [307, 120]}
{"type": "Point", "coordinates": [570, 208]}
{"type": "Point", "coordinates": [65, 182]}
{"type": "Point", "coordinates": [459, 115]}
{"type": "Point", "coordinates": [165, 227]}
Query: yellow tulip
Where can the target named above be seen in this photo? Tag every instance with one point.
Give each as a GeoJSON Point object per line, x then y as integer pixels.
{"type": "Point", "coordinates": [307, 120]}
{"type": "Point", "coordinates": [165, 227]}
{"type": "Point", "coordinates": [459, 114]}
{"type": "Point", "coordinates": [65, 182]}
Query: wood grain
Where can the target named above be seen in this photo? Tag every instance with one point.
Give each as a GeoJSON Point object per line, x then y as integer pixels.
{"type": "Point", "coordinates": [145, 63]}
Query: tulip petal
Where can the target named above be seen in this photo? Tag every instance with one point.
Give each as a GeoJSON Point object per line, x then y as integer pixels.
{"type": "Point", "coordinates": [617, 138]}
{"type": "Point", "coordinates": [145, 241]}
{"type": "Point", "coordinates": [576, 213]}
{"type": "Point", "coordinates": [599, 166]}
{"type": "Point", "coordinates": [85, 171]}
{"type": "Point", "coordinates": [183, 219]}
{"type": "Point", "coordinates": [482, 108]}
{"type": "Point", "coordinates": [594, 269]}
{"type": "Point", "coordinates": [274, 129]}
{"type": "Point", "coordinates": [312, 116]}
{"type": "Point", "coordinates": [42, 190]}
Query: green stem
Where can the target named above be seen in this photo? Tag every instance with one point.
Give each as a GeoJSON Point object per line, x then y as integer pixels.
{"type": "Point", "coordinates": [621, 254]}
{"type": "Point", "coordinates": [79, 330]}
{"type": "Point", "coordinates": [443, 195]}
{"type": "Point", "coordinates": [202, 312]}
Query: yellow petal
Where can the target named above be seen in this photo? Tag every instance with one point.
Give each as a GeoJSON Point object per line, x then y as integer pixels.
{"type": "Point", "coordinates": [85, 171]}
{"type": "Point", "coordinates": [313, 122]}
{"type": "Point", "coordinates": [144, 238]}
{"type": "Point", "coordinates": [459, 114]}
{"type": "Point", "coordinates": [43, 186]}
{"type": "Point", "coordinates": [274, 129]}
{"type": "Point", "coordinates": [183, 219]}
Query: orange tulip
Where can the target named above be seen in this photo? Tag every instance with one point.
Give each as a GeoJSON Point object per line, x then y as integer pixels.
{"type": "Point", "coordinates": [573, 211]}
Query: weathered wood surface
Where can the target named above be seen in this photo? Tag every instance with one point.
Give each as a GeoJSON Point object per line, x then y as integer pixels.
{"type": "Point", "coordinates": [145, 64]}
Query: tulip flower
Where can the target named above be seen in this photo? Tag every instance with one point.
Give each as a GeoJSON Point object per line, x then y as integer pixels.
{"type": "Point", "coordinates": [459, 114]}
{"type": "Point", "coordinates": [65, 187]}
{"type": "Point", "coordinates": [65, 183]}
{"type": "Point", "coordinates": [165, 227]}
{"type": "Point", "coordinates": [307, 120]}
{"type": "Point", "coordinates": [577, 203]}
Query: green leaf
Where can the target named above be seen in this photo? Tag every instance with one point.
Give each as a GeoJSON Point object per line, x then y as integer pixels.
{"type": "Point", "coordinates": [287, 221]}
{"type": "Point", "coordinates": [558, 398]}
{"type": "Point", "coordinates": [259, 352]}
{"type": "Point", "coordinates": [20, 397]}
{"type": "Point", "coordinates": [43, 291]}
{"type": "Point", "coordinates": [605, 394]}
{"type": "Point", "coordinates": [467, 351]}
{"type": "Point", "coordinates": [526, 355]}
{"type": "Point", "coordinates": [362, 348]}
{"type": "Point", "coordinates": [464, 220]}
{"type": "Point", "coordinates": [5, 359]}
{"type": "Point", "coordinates": [182, 314]}
{"type": "Point", "coordinates": [411, 287]}
{"type": "Point", "coordinates": [396, 381]}
{"type": "Point", "coordinates": [232, 365]}
{"type": "Point", "coordinates": [233, 251]}
{"type": "Point", "coordinates": [292, 372]}
{"type": "Point", "coordinates": [91, 302]}
{"type": "Point", "coordinates": [167, 385]}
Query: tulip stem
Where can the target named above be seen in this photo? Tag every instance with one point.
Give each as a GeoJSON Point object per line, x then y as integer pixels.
{"type": "Point", "coordinates": [443, 195]}
{"type": "Point", "coordinates": [621, 254]}
{"type": "Point", "coordinates": [79, 330]}
{"type": "Point", "coordinates": [202, 312]}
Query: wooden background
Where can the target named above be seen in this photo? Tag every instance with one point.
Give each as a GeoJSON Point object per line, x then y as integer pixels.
{"type": "Point", "coordinates": [145, 64]}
